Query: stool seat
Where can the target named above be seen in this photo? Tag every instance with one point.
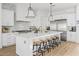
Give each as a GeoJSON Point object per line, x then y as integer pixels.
{"type": "Point", "coordinates": [44, 41]}
{"type": "Point", "coordinates": [38, 42]}
{"type": "Point", "coordinates": [57, 37]}
{"type": "Point", "coordinates": [37, 54]}
{"type": "Point", "coordinates": [49, 38]}
{"type": "Point", "coordinates": [52, 36]}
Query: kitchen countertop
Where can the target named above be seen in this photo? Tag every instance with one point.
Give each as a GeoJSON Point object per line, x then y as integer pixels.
{"type": "Point", "coordinates": [21, 31]}
{"type": "Point", "coordinates": [37, 35]}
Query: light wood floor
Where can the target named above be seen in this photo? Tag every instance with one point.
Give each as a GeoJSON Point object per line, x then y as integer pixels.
{"type": "Point", "coordinates": [65, 49]}
{"type": "Point", "coordinates": [9, 51]}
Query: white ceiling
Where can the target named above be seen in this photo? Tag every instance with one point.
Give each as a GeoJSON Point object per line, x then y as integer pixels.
{"type": "Point", "coordinates": [57, 7]}
{"type": "Point", "coordinates": [45, 6]}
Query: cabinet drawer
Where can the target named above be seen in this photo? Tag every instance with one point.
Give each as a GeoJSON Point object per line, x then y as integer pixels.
{"type": "Point", "coordinates": [8, 39]}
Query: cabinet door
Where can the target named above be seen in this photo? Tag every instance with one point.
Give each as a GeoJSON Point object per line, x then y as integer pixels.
{"type": "Point", "coordinates": [23, 46]}
{"type": "Point", "coordinates": [77, 12]}
{"type": "Point", "coordinates": [8, 39]}
{"type": "Point", "coordinates": [77, 34]}
{"type": "Point", "coordinates": [4, 39]}
{"type": "Point", "coordinates": [11, 39]}
{"type": "Point", "coordinates": [7, 18]}
{"type": "Point", "coordinates": [71, 36]}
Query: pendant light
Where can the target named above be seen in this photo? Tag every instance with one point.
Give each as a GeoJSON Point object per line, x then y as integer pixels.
{"type": "Point", "coordinates": [30, 13]}
{"type": "Point", "coordinates": [50, 18]}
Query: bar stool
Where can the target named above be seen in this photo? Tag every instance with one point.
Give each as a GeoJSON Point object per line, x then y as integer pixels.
{"type": "Point", "coordinates": [36, 43]}
{"type": "Point", "coordinates": [36, 54]}
{"type": "Point", "coordinates": [53, 38]}
{"type": "Point", "coordinates": [49, 43]}
{"type": "Point", "coordinates": [56, 40]}
{"type": "Point", "coordinates": [40, 47]}
{"type": "Point", "coordinates": [43, 45]}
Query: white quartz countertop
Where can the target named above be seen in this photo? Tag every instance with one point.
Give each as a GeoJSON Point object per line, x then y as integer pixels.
{"type": "Point", "coordinates": [37, 35]}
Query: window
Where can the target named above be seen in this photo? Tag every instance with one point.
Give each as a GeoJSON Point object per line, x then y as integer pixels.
{"type": "Point", "coordinates": [60, 25]}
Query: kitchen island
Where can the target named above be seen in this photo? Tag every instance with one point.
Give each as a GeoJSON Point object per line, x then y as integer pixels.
{"type": "Point", "coordinates": [24, 41]}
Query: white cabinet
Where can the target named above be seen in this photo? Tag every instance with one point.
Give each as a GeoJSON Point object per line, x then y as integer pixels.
{"type": "Point", "coordinates": [23, 46]}
{"type": "Point", "coordinates": [77, 33]}
{"type": "Point", "coordinates": [71, 21]}
{"type": "Point", "coordinates": [8, 39]}
{"type": "Point", "coordinates": [71, 36]}
{"type": "Point", "coordinates": [7, 17]}
{"type": "Point", "coordinates": [0, 27]}
{"type": "Point", "coordinates": [77, 25]}
{"type": "Point", "coordinates": [77, 12]}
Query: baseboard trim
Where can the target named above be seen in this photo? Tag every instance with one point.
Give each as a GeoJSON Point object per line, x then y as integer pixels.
{"type": "Point", "coordinates": [9, 46]}
{"type": "Point", "coordinates": [73, 42]}
{"type": "Point", "coordinates": [17, 54]}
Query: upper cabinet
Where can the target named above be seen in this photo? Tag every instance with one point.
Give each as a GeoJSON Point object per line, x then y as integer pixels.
{"type": "Point", "coordinates": [77, 13]}
{"type": "Point", "coordinates": [7, 17]}
{"type": "Point", "coordinates": [71, 21]}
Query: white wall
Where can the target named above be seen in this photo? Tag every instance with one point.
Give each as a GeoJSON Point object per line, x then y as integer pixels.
{"type": "Point", "coordinates": [0, 27]}
{"type": "Point", "coordinates": [77, 23]}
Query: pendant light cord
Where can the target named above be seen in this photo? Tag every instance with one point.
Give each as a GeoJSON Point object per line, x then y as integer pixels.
{"type": "Point", "coordinates": [50, 9]}
{"type": "Point", "coordinates": [30, 5]}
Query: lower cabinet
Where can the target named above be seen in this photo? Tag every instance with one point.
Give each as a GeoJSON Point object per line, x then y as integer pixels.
{"type": "Point", "coordinates": [77, 33]}
{"type": "Point", "coordinates": [23, 46]}
{"type": "Point", "coordinates": [71, 36]}
{"type": "Point", "coordinates": [8, 39]}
